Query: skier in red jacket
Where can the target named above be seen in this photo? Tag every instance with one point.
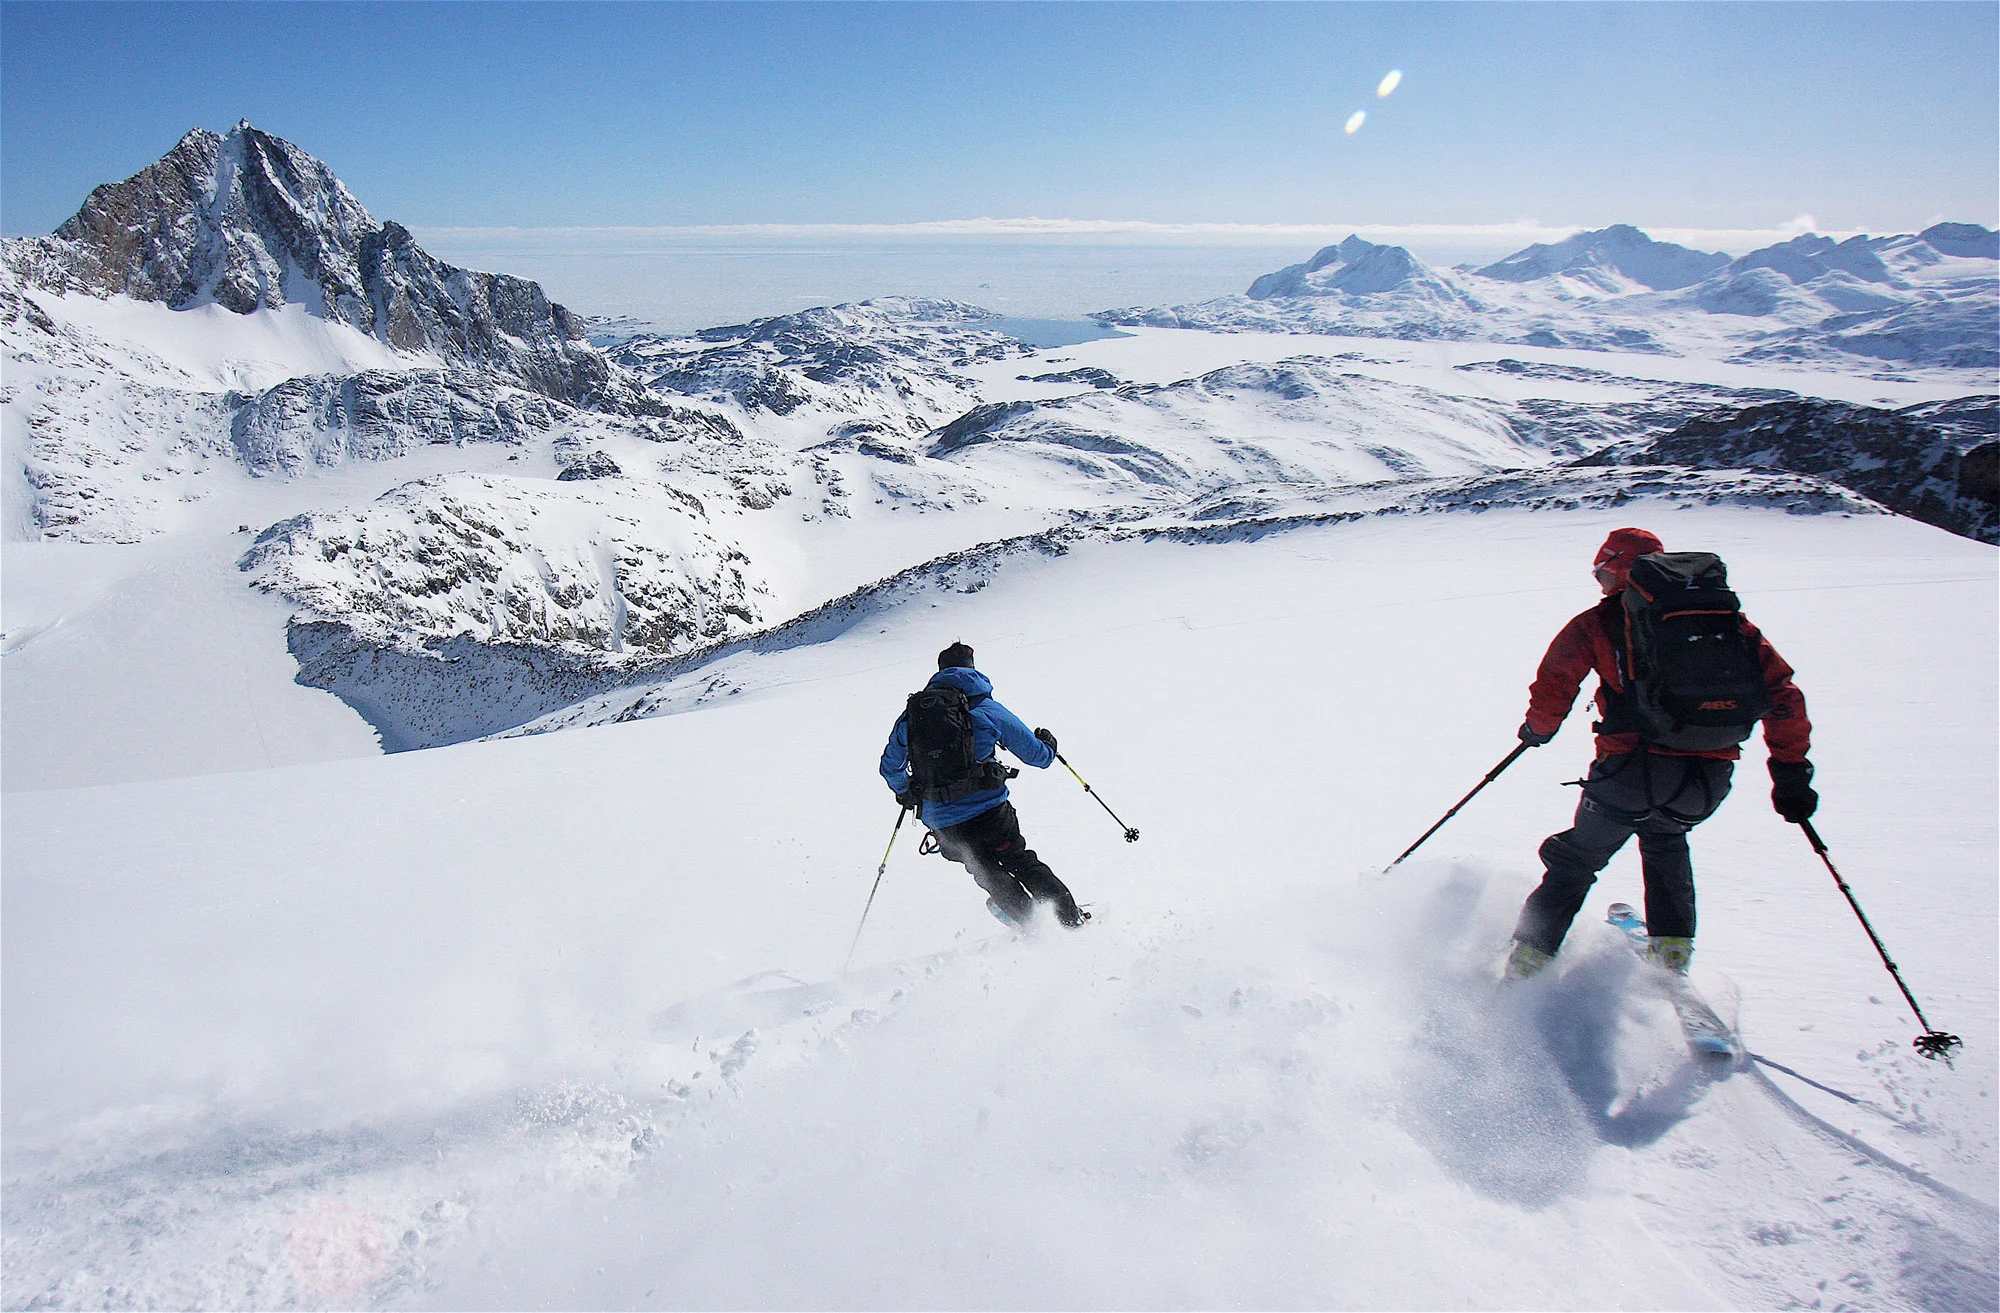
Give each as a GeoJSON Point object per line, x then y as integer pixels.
{"type": "Point", "coordinates": [1635, 787]}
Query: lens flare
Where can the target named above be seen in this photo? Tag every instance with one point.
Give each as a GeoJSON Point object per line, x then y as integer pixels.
{"type": "Point", "coordinates": [1391, 82]}
{"type": "Point", "coordinates": [1354, 124]}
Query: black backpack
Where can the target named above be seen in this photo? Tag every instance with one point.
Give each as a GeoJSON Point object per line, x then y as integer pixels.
{"type": "Point", "coordinates": [1693, 680]}
{"type": "Point", "coordinates": [943, 767]}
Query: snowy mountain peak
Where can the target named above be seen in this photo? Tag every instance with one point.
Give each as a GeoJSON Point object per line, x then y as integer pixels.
{"type": "Point", "coordinates": [1967, 240]}
{"type": "Point", "coordinates": [247, 221]}
{"type": "Point", "coordinates": [1909, 300]}
{"type": "Point", "coordinates": [1354, 267]}
{"type": "Point", "coordinates": [1620, 251]}
{"type": "Point", "coordinates": [250, 222]}
{"type": "Point", "coordinates": [1811, 256]}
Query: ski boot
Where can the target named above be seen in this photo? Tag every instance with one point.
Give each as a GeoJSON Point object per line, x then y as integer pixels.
{"type": "Point", "coordinates": [1525, 961]}
{"type": "Point", "coordinates": [1670, 952]}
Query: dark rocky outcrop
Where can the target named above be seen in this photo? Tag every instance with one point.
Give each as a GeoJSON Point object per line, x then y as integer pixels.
{"type": "Point", "coordinates": [590, 465]}
{"type": "Point", "coordinates": [1088, 375]}
{"type": "Point", "coordinates": [1920, 469]}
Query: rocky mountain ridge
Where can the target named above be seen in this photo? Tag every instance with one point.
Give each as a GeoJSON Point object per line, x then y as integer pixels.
{"type": "Point", "coordinates": [1938, 462]}
{"type": "Point", "coordinates": [248, 221]}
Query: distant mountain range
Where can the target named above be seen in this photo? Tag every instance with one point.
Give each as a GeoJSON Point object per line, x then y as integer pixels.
{"type": "Point", "coordinates": [1922, 300]}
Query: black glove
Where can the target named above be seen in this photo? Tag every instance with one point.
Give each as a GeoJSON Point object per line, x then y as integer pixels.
{"type": "Point", "coordinates": [1528, 736]}
{"type": "Point", "coordinates": [1791, 790]}
{"type": "Point", "coordinates": [909, 801]}
{"type": "Point", "coordinates": [1047, 738]}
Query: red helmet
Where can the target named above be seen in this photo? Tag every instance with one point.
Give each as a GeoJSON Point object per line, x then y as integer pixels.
{"type": "Point", "coordinates": [1623, 547]}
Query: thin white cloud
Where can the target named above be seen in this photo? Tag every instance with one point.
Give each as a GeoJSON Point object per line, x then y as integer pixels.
{"type": "Point", "coordinates": [1138, 232]}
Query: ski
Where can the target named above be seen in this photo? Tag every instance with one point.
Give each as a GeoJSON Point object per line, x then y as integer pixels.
{"type": "Point", "coordinates": [1708, 1036]}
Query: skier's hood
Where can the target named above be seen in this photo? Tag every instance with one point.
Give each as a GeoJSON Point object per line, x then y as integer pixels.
{"type": "Point", "coordinates": [963, 678]}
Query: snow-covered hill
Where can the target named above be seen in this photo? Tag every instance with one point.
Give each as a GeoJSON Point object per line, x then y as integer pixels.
{"type": "Point", "coordinates": [560, 1020]}
{"type": "Point", "coordinates": [1613, 260]}
{"type": "Point", "coordinates": [884, 370]}
{"type": "Point", "coordinates": [1926, 301]}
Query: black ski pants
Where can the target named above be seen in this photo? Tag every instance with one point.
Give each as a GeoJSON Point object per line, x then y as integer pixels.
{"type": "Point", "coordinates": [1657, 797]}
{"type": "Point", "coordinates": [991, 847]}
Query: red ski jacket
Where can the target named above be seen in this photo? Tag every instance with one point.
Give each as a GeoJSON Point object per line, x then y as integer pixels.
{"type": "Point", "coordinates": [1595, 641]}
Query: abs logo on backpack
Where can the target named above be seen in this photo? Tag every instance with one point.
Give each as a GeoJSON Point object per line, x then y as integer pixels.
{"type": "Point", "coordinates": [1695, 682]}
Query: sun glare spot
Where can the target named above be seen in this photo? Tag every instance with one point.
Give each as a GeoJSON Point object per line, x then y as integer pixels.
{"type": "Point", "coordinates": [1391, 82]}
{"type": "Point", "coordinates": [1354, 123]}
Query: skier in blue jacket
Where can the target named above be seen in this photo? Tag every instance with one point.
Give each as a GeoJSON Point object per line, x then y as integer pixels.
{"type": "Point", "coordinates": [973, 821]}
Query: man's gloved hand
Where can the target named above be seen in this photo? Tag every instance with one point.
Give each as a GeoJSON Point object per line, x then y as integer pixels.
{"type": "Point", "coordinates": [1528, 735]}
{"type": "Point", "coordinates": [1791, 790]}
{"type": "Point", "coordinates": [909, 801]}
{"type": "Point", "coordinates": [1047, 738]}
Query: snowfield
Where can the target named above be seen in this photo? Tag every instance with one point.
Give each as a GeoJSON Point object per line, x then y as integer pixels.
{"type": "Point", "coordinates": [559, 1020]}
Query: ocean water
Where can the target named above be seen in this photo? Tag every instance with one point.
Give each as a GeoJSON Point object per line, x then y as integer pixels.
{"type": "Point", "coordinates": [684, 286]}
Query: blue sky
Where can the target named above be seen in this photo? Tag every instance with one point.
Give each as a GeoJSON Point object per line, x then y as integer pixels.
{"type": "Point", "coordinates": [1865, 116]}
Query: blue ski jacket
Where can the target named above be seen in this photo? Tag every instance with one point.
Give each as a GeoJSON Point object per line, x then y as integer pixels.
{"type": "Point", "coordinates": [992, 726]}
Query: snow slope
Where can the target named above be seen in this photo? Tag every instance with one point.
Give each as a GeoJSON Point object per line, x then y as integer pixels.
{"type": "Point", "coordinates": [559, 1021]}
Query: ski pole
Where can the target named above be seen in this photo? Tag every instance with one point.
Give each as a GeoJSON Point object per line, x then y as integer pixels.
{"type": "Point", "coordinates": [900, 814]}
{"type": "Point", "coordinates": [1131, 835]}
{"type": "Point", "coordinates": [1932, 1043]}
{"type": "Point", "coordinates": [1491, 775]}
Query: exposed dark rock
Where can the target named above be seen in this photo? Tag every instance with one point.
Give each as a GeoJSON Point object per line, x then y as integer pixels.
{"type": "Point", "coordinates": [1979, 473]}
{"type": "Point", "coordinates": [976, 424]}
{"type": "Point", "coordinates": [1967, 421]}
{"type": "Point", "coordinates": [592, 465]}
{"type": "Point", "coordinates": [684, 424]}
{"type": "Point", "coordinates": [1914, 468]}
{"type": "Point", "coordinates": [1087, 374]}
